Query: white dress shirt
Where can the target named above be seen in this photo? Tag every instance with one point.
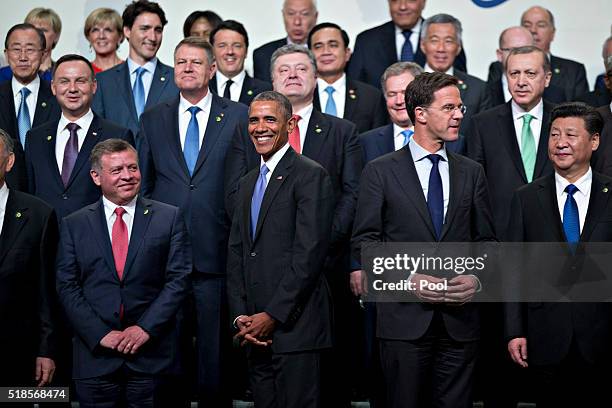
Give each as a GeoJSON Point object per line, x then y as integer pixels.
{"type": "Point", "coordinates": [63, 135]}
{"type": "Point", "coordinates": [398, 137]}
{"type": "Point", "coordinates": [423, 168]}
{"type": "Point", "coordinates": [202, 117]}
{"type": "Point", "coordinates": [147, 76]}
{"type": "Point", "coordinates": [4, 193]}
{"type": "Point", "coordinates": [414, 39]}
{"type": "Point", "coordinates": [273, 161]}
{"type": "Point", "coordinates": [536, 122]}
{"type": "Point", "coordinates": [450, 71]}
{"type": "Point", "coordinates": [581, 196]}
{"type": "Point", "coordinates": [31, 100]}
{"type": "Point", "coordinates": [339, 94]}
{"type": "Point", "coordinates": [305, 114]}
{"type": "Point", "coordinates": [110, 216]}
{"type": "Point", "coordinates": [235, 88]}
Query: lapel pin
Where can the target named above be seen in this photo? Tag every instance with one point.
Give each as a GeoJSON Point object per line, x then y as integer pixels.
{"type": "Point", "coordinates": [218, 118]}
{"type": "Point", "coordinates": [279, 177]}
{"type": "Point", "coordinates": [44, 104]}
{"type": "Point", "coordinates": [352, 94]}
{"type": "Point", "coordinates": [318, 129]}
{"type": "Point", "coordinates": [605, 189]}
{"type": "Point", "coordinates": [49, 138]}
{"type": "Point", "coordinates": [94, 133]}
{"type": "Point", "coordinates": [162, 79]}
{"type": "Point", "coordinates": [18, 215]}
{"type": "Point", "coordinates": [557, 71]}
{"type": "Point", "coordinates": [250, 92]}
{"type": "Point", "coordinates": [146, 211]}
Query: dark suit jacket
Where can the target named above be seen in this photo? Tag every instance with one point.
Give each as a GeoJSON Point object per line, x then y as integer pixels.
{"type": "Point", "coordinates": [165, 176]}
{"type": "Point", "coordinates": [44, 177]}
{"type": "Point", "coordinates": [570, 76]}
{"type": "Point", "coordinates": [46, 109]}
{"type": "Point", "coordinates": [364, 105]}
{"type": "Point", "coordinates": [598, 97]}
{"type": "Point", "coordinates": [392, 208]}
{"type": "Point", "coordinates": [28, 243]}
{"type": "Point", "coordinates": [601, 161]}
{"type": "Point", "coordinates": [493, 144]}
{"type": "Point", "coordinates": [280, 270]}
{"type": "Point", "coordinates": [261, 59]}
{"type": "Point", "coordinates": [474, 96]}
{"type": "Point", "coordinates": [154, 285]}
{"type": "Point", "coordinates": [375, 50]}
{"type": "Point", "coordinates": [551, 328]}
{"type": "Point", "coordinates": [251, 87]}
{"type": "Point", "coordinates": [114, 99]}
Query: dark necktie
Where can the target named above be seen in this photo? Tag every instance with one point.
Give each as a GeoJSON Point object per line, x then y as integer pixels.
{"type": "Point", "coordinates": [435, 196]}
{"type": "Point", "coordinates": [226, 91]}
{"type": "Point", "coordinates": [23, 116]}
{"type": "Point", "coordinates": [71, 151]}
{"type": "Point", "coordinates": [407, 53]}
{"type": "Point", "coordinates": [571, 219]}
{"type": "Point", "coordinates": [294, 136]}
{"type": "Point", "coordinates": [191, 148]}
{"type": "Point", "coordinates": [258, 194]}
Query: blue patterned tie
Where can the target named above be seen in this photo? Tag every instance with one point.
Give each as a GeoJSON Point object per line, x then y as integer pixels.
{"type": "Point", "coordinates": [23, 116]}
{"type": "Point", "coordinates": [330, 106]}
{"type": "Point", "coordinates": [571, 220]}
{"type": "Point", "coordinates": [138, 91]}
{"type": "Point", "coordinates": [258, 194]}
{"type": "Point", "coordinates": [407, 53]}
{"type": "Point", "coordinates": [192, 140]}
{"type": "Point", "coordinates": [407, 135]}
{"type": "Point", "coordinates": [435, 197]}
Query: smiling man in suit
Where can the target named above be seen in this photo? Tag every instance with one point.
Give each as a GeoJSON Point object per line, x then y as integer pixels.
{"type": "Point", "coordinates": [142, 81]}
{"type": "Point", "coordinates": [230, 43]}
{"type": "Point", "coordinates": [26, 101]}
{"type": "Point", "coordinates": [280, 236]}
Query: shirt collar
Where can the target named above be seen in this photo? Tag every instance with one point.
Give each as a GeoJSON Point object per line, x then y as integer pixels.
{"type": "Point", "coordinates": [450, 71]}
{"type": "Point", "coordinates": [419, 153]}
{"type": "Point", "coordinates": [84, 121]}
{"type": "Point", "coordinates": [149, 65]}
{"type": "Point", "coordinates": [583, 183]}
{"type": "Point", "coordinates": [203, 103]}
{"type": "Point", "coordinates": [305, 112]}
{"type": "Point", "coordinates": [4, 192]}
{"type": "Point", "coordinates": [537, 111]}
{"type": "Point", "coordinates": [109, 207]}
{"type": "Point", "coordinates": [338, 85]}
{"type": "Point", "coordinates": [275, 159]}
{"type": "Point", "coordinates": [397, 130]}
{"type": "Point", "coordinates": [238, 79]}
{"type": "Point", "coordinates": [33, 86]}
{"type": "Point", "coordinates": [415, 29]}
{"type": "Point", "coordinates": [305, 45]}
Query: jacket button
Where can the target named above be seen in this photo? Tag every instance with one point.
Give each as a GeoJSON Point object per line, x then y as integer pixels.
{"type": "Point", "coordinates": [64, 196]}
{"type": "Point", "coordinates": [192, 187]}
{"type": "Point", "coordinates": [253, 254]}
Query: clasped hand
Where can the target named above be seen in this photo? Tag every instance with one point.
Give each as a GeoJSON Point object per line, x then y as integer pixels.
{"type": "Point", "coordinates": [255, 329]}
{"type": "Point", "coordinates": [127, 341]}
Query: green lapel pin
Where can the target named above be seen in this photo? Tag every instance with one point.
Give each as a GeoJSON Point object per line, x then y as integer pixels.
{"type": "Point", "coordinates": [17, 214]}
{"type": "Point", "coordinates": [146, 211]}
{"type": "Point", "coordinates": [49, 138]}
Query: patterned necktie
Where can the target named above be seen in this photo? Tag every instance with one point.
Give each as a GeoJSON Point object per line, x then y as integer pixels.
{"type": "Point", "coordinates": [120, 241]}
{"type": "Point", "coordinates": [571, 219]}
{"type": "Point", "coordinates": [407, 53]}
{"type": "Point", "coordinates": [330, 106]}
{"type": "Point", "coordinates": [226, 91]}
{"type": "Point", "coordinates": [71, 151]}
{"type": "Point", "coordinates": [23, 116]}
{"type": "Point", "coordinates": [407, 135]}
{"type": "Point", "coordinates": [258, 194]}
{"type": "Point", "coordinates": [435, 196]}
{"type": "Point", "coordinates": [191, 148]}
{"type": "Point", "coordinates": [138, 91]}
{"type": "Point", "coordinates": [294, 136]}
{"type": "Point", "coordinates": [528, 147]}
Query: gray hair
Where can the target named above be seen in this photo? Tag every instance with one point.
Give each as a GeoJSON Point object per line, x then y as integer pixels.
{"type": "Point", "coordinates": [197, 42]}
{"type": "Point", "coordinates": [399, 68]}
{"type": "Point", "coordinates": [314, 4]}
{"type": "Point", "coordinates": [291, 49]}
{"type": "Point", "coordinates": [105, 147]}
{"type": "Point", "coordinates": [279, 98]}
{"type": "Point", "coordinates": [7, 142]}
{"type": "Point", "coordinates": [442, 19]}
{"type": "Point", "coordinates": [547, 11]}
{"type": "Point", "coordinates": [528, 49]}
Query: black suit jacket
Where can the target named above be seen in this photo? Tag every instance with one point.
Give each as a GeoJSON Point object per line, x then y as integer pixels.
{"type": "Point", "coordinates": [251, 87]}
{"type": "Point", "coordinates": [392, 208]}
{"type": "Point", "coordinates": [474, 96]}
{"type": "Point", "coordinates": [261, 59]}
{"type": "Point", "coordinates": [493, 144]}
{"type": "Point", "coordinates": [44, 177]}
{"type": "Point", "coordinates": [570, 76]}
{"type": "Point", "coordinates": [46, 109]}
{"type": "Point", "coordinates": [601, 161]}
{"type": "Point", "coordinates": [279, 271]}
{"type": "Point", "coordinates": [375, 50]}
{"type": "Point", "coordinates": [28, 243]}
{"type": "Point", "coordinates": [598, 97]}
{"type": "Point", "coordinates": [552, 328]}
{"type": "Point", "coordinates": [364, 105]}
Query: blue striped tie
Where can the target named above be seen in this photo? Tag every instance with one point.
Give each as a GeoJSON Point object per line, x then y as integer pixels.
{"type": "Point", "coordinates": [23, 116]}
{"type": "Point", "coordinates": [330, 106]}
{"type": "Point", "coordinates": [258, 194]}
{"type": "Point", "coordinates": [407, 54]}
{"type": "Point", "coordinates": [571, 219]}
{"type": "Point", "coordinates": [192, 140]}
{"type": "Point", "coordinates": [139, 92]}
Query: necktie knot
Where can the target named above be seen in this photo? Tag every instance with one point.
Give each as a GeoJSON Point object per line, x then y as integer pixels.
{"type": "Point", "coordinates": [194, 110]}
{"type": "Point", "coordinates": [527, 119]}
{"type": "Point", "coordinates": [119, 211]}
{"type": "Point", "coordinates": [264, 170]}
{"type": "Point", "coordinates": [330, 90]}
{"type": "Point", "coordinates": [140, 71]}
{"type": "Point", "coordinates": [296, 117]}
{"type": "Point", "coordinates": [571, 189]}
{"type": "Point", "coordinates": [25, 92]}
{"type": "Point", "coordinates": [228, 83]}
{"type": "Point", "coordinates": [407, 135]}
{"type": "Point", "coordinates": [407, 34]}
{"type": "Point", "coordinates": [72, 127]}
{"type": "Point", "coordinates": [434, 158]}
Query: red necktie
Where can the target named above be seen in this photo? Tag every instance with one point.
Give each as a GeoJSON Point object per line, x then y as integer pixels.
{"type": "Point", "coordinates": [120, 241]}
{"type": "Point", "coordinates": [294, 136]}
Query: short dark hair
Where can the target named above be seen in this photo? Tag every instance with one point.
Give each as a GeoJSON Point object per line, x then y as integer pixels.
{"type": "Point", "coordinates": [213, 19]}
{"type": "Point", "coordinates": [232, 25]}
{"type": "Point", "coordinates": [107, 146]}
{"type": "Point", "coordinates": [197, 42]}
{"type": "Point", "coordinates": [73, 57]}
{"type": "Point", "coordinates": [7, 141]}
{"type": "Point", "coordinates": [528, 49]}
{"type": "Point", "coordinates": [138, 7]}
{"type": "Point", "coordinates": [282, 100]}
{"type": "Point", "coordinates": [26, 26]}
{"type": "Point", "coordinates": [320, 26]}
{"type": "Point", "coordinates": [420, 92]}
{"type": "Point", "coordinates": [593, 121]}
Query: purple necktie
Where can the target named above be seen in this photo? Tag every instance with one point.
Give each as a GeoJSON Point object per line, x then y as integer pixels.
{"type": "Point", "coordinates": [71, 152]}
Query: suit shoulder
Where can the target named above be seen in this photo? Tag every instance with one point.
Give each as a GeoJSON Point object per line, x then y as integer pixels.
{"type": "Point", "coordinates": [110, 75]}
{"type": "Point", "coordinates": [469, 79]}
{"type": "Point", "coordinates": [234, 107]}
{"type": "Point", "coordinates": [159, 206]}
{"type": "Point", "coordinates": [374, 33]}
{"type": "Point", "coordinates": [555, 60]}
{"type": "Point", "coordinates": [110, 126]}
{"type": "Point", "coordinates": [373, 134]}
{"type": "Point", "coordinates": [342, 124]}
{"type": "Point", "coordinates": [258, 83]}
{"type": "Point", "coordinates": [270, 47]}
{"type": "Point", "coordinates": [39, 133]}
{"type": "Point", "coordinates": [465, 161]}
{"type": "Point", "coordinates": [365, 89]}
{"type": "Point", "coordinates": [30, 201]}
{"type": "Point", "coordinates": [490, 113]}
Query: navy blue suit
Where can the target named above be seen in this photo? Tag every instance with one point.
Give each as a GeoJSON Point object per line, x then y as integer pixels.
{"type": "Point", "coordinates": [114, 99]}
{"type": "Point", "coordinates": [261, 59]}
{"type": "Point", "coordinates": [251, 87]}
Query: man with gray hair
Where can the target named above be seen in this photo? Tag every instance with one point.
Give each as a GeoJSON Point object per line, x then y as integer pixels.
{"type": "Point", "coordinates": [602, 94]}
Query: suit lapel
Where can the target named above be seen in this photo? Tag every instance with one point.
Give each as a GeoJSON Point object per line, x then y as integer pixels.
{"type": "Point", "coordinates": [214, 127]}
{"type": "Point", "coordinates": [350, 99]}
{"type": "Point", "coordinates": [99, 228]}
{"type": "Point", "coordinates": [161, 76]}
{"type": "Point", "coordinates": [142, 218]}
{"type": "Point", "coordinates": [15, 218]}
{"type": "Point", "coordinates": [123, 76]}
{"type": "Point", "coordinates": [542, 153]}
{"type": "Point", "coordinates": [598, 201]}
{"type": "Point", "coordinates": [212, 85]}
{"type": "Point", "coordinates": [248, 90]}
{"type": "Point", "coordinates": [508, 137]}
{"type": "Point", "coordinates": [43, 104]}
{"type": "Point", "coordinates": [170, 132]}
{"type": "Point", "coordinates": [91, 138]}
{"type": "Point", "coordinates": [318, 128]}
{"type": "Point", "coordinates": [50, 135]}
{"type": "Point", "coordinates": [316, 104]}
{"type": "Point", "coordinates": [385, 140]}
{"type": "Point", "coordinates": [547, 196]}
{"type": "Point", "coordinates": [457, 179]}
{"type": "Point", "coordinates": [388, 47]}
{"type": "Point", "coordinates": [6, 93]}
{"type": "Point", "coordinates": [249, 188]}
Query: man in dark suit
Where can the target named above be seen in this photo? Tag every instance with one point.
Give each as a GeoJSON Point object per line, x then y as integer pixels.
{"type": "Point", "coordinates": [428, 350]}
{"type": "Point", "coordinates": [396, 40]}
{"type": "Point", "coordinates": [568, 342]}
{"type": "Point", "coordinates": [142, 81]}
{"type": "Point", "coordinates": [230, 43]}
{"type": "Point", "coordinates": [342, 97]}
{"type": "Point", "coordinates": [122, 274]}
{"type": "Point", "coordinates": [299, 16]}
{"type": "Point", "coordinates": [28, 239]}
{"type": "Point", "coordinates": [566, 74]}
{"type": "Point", "coordinates": [603, 95]}
{"type": "Point", "coordinates": [601, 161]}
{"type": "Point", "coordinates": [57, 152]}
{"type": "Point", "coordinates": [280, 236]}
{"type": "Point", "coordinates": [26, 101]}
{"type": "Point", "coordinates": [196, 129]}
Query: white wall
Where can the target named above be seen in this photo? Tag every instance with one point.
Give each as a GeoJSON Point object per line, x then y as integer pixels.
{"type": "Point", "coordinates": [581, 26]}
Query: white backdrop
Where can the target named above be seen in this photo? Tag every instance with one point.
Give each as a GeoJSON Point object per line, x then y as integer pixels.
{"type": "Point", "coordinates": [582, 26]}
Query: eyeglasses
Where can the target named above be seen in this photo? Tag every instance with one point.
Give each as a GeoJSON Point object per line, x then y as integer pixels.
{"type": "Point", "coordinates": [28, 51]}
{"type": "Point", "coordinates": [448, 108]}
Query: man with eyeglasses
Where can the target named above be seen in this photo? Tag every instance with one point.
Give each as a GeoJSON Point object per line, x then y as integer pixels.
{"type": "Point", "coordinates": [26, 100]}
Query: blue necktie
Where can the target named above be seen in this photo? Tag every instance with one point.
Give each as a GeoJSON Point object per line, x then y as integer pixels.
{"type": "Point", "coordinates": [407, 135]}
{"type": "Point", "coordinates": [435, 197]}
{"type": "Point", "coordinates": [258, 194]}
{"type": "Point", "coordinates": [23, 116]}
{"type": "Point", "coordinates": [407, 53]}
{"type": "Point", "coordinates": [330, 106]}
{"type": "Point", "coordinates": [138, 91]}
{"type": "Point", "coordinates": [191, 148]}
{"type": "Point", "coordinates": [571, 220]}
